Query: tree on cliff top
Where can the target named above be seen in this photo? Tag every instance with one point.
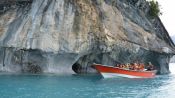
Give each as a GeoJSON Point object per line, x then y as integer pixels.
{"type": "Point", "coordinates": [154, 8]}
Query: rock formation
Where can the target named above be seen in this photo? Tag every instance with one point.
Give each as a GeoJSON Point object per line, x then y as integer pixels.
{"type": "Point", "coordinates": [56, 35]}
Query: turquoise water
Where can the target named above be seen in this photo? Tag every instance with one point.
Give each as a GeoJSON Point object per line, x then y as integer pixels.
{"type": "Point", "coordinates": [84, 86]}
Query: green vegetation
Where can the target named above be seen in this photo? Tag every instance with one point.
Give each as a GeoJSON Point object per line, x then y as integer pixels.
{"type": "Point", "coordinates": [154, 9]}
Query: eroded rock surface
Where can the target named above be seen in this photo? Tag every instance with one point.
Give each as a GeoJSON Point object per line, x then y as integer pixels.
{"type": "Point", "coordinates": [54, 35]}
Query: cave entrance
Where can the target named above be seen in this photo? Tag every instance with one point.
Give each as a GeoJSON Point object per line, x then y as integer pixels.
{"type": "Point", "coordinates": [83, 64]}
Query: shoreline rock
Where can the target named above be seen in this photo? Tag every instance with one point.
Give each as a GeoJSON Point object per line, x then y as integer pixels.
{"type": "Point", "coordinates": [55, 35]}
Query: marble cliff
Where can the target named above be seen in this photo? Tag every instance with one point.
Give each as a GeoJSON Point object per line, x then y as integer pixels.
{"type": "Point", "coordinates": [60, 36]}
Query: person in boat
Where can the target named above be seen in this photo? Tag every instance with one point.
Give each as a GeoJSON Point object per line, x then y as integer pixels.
{"type": "Point", "coordinates": [117, 65]}
{"type": "Point", "coordinates": [127, 66]}
{"type": "Point", "coordinates": [150, 66]}
{"type": "Point", "coordinates": [142, 66]}
{"type": "Point", "coordinates": [131, 67]}
{"type": "Point", "coordinates": [136, 66]}
{"type": "Point", "coordinates": [122, 66]}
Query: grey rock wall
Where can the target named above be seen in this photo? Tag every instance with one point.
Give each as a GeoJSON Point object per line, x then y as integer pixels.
{"type": "Point", "coordinates": [61, 35]}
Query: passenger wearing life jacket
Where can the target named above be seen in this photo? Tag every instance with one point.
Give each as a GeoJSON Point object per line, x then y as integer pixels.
{"type": "Point", "coordinates": [141, 66]}
{"type": "Point", "coordinates": [131, 67]}
{"type": "Point", "coordinates": [136, 67]}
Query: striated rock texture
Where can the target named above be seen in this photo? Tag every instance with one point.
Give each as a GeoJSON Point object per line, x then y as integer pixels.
{"type": "Point", "coordinates": [61, 35]}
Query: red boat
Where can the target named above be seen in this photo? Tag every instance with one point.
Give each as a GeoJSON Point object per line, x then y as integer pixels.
{"type": "Point", "coordinates": [110, 71]}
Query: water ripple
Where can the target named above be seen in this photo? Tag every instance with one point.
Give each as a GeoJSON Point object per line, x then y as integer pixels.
{"type": "Point", "coordinates": [84, 86]}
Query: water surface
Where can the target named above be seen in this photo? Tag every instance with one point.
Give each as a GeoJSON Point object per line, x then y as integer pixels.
{"type": "Point", "coordinates": [84, 86]}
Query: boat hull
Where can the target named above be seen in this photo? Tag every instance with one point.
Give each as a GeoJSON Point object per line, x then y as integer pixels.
{"type": "Point", "coordinates": [110, 72]}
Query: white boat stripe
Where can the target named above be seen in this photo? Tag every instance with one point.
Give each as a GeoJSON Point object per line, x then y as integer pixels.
{"type": "Point", "coordinates": [112, 75]}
